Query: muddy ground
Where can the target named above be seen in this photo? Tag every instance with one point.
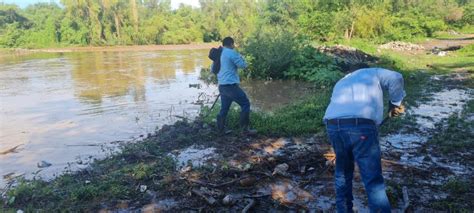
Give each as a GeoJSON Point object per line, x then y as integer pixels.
{"type": "Point", "coordinates": [233, 172]}
{"type": "Point", "coordinates": [187, 167]}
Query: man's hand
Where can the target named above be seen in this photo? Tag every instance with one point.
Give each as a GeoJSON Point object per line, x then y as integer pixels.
{"type": "Point", "coordinates": [394, 110]}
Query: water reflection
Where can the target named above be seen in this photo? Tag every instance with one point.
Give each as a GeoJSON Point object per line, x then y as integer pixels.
{"type": "Point", "coordinates": [107, 74]}
{"type": "Point", "coordinates": [271, 95]}
{"type": "Point", "coordinates": [53, 104]}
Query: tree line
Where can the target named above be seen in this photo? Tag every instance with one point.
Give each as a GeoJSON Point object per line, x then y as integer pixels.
{"type": "Point", "coordinates": [141, 22]}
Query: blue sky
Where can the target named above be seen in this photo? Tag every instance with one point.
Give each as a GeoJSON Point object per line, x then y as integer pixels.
{"type": "Point", "coordinates": [24, 3]}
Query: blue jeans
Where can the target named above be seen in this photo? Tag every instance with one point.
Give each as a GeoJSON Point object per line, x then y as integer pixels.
{"type": "Point", "coordinates": [358, 143]}
{"type": "Point", "coordinates": [230, 93]}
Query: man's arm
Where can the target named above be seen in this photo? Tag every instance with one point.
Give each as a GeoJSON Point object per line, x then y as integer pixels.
{"type": "Point", "coordinates": [239, 61]}
{"type": "Point", "coordinates": [394, 84]}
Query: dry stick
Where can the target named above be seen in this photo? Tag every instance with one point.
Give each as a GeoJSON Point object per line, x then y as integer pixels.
{"type": "Point", "coordinates": [10, 150]}
{"type": "Point", "coordinates": [406, 201]}
{"type": "Point", "coordinates": [403, 165]}
{"type": "Point", "coordinates": [210, 200]}
{"type": "Point", "coordinates": [212, 184]}
{"type": "Point", "coordinates": [249, 206]}
{"type": "Point", "coordinates": [257, 196]}
{"type": "Point", "coordinates": [212, 107]}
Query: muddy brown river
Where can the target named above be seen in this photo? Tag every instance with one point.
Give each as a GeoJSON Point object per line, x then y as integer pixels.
{"type": "Point", "coordinates": [67, 108]}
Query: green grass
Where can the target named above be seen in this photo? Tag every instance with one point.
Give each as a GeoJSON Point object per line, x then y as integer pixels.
{"type": "Point", "coordinates": [457, 133]}
{"type": "Point", "coordinates": [110, 180]}
{"type": "Point", "coordinates": [460, 198]}
{"type": "Point", "coordinates": [146, 163]}
{"type": "Point", "coordinates": [300, 118]}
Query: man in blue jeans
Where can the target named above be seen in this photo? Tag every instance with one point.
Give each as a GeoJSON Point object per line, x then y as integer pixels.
{"type": "Point", "coordinates": [352, 119]}
{"type": "Point", "coordinates": [229, 89]}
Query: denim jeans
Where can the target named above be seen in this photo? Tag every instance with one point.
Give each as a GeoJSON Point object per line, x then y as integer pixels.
{"type": "Point", "coordinates": [230, 93]}
{"type": "Point", "coordinates": [358, 143]}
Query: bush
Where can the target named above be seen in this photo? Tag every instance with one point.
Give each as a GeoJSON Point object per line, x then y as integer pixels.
{"type": "Point", "coordinates": [269, 52]}
{"type": "Point", "coordinates": [314, 66]}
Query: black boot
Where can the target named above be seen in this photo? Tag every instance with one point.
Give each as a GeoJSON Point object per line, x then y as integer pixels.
{"type": "Point", "coordinates": [245, 124]}
{"type": "Point", "coordinates": [221, 126]}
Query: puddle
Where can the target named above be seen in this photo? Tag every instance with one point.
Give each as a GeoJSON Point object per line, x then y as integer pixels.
{"type": "Point", "coordinates": [402, 141]}
{"type": "Point", "coordinates": [194, 156]}
{"type": "Point", "coordinates": [443, 105]}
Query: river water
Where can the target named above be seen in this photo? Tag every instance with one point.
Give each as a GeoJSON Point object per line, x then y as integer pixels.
{"type": "Point", "coordinates": [65, 108]}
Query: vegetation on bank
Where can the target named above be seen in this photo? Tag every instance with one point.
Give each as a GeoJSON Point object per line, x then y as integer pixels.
{"type": "Point", "coordinates": [132, 22]}
{"type": "Point", "coordinates": [276, 37]}
{"type": "Point", "coordinates": [115, 182]}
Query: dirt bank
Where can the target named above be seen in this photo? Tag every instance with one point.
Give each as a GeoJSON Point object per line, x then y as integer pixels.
{"type": "Point", "coordinates": [121, 48]}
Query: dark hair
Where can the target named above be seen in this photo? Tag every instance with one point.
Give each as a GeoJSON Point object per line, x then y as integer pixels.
{"type": "Point", "coordinates": [227, 42]}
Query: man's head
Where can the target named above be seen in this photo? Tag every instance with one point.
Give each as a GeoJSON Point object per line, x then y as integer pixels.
{"type": "Point", "coordinates": [357, 66]}
{"type": "Point", "coordinates": [228, 42]}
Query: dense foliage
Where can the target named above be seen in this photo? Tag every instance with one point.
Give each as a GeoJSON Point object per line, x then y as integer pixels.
{"type": "Point", "coordinates": [314, 66]}
{"type": "Point", "coordinates": [127, 22]}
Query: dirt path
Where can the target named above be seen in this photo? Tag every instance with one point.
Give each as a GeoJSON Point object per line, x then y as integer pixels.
{"type": "Point", "coordinates": [444, 43]}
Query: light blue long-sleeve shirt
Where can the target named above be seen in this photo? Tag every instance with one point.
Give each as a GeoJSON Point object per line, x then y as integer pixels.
{"type": "Point", "coordinates": [230, 62]}
{"type": "Point", "coordinates": [360, 94]}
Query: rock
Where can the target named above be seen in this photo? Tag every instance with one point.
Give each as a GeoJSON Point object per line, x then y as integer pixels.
{"type": "Point", "coordinates": [303, 170]}
{"type": "Point", "coordinates": [43, 164]}
{"type": "Point", "coordinates": [143, 188]}
{"type": "Point", "coordinates": [248, 181]}
{"type": "Point", "coordinates": [185, 169]}
{"type": "Point", "coordinates": [19, 211]}
{"type": "Point", "coordinates": [281, 169]}
{"type": "Point", "coordinates": [401, 46]}
{"type": "Point", "coordinates": [229, 200]}
{"type": "Point", "coordinates": [87, 181]}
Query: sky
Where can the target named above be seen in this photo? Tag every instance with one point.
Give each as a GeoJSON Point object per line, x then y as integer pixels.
{"type": "Point", "coordinates": [24, 3]}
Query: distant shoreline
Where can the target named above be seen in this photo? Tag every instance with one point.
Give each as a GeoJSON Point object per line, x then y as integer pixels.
{"type": "Point", "coordinates": [118, 48]}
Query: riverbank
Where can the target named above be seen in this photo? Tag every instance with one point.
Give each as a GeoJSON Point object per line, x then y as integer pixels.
{"type": "Point", "coordinates": [196, 46]}
{"type": "Point", "coordinates": [187, 167]}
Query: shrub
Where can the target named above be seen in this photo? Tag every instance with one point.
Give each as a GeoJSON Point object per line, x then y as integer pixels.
{"type": "Point", "coordinates": [269, 52]}
{"type": "Point", "coordinates": [314, 66]}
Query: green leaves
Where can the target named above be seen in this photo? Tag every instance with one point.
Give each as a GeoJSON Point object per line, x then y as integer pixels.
{"type": "Point", "coordinates": [269, 52]}
{"type": "Point", "coordinates": [314, 66]}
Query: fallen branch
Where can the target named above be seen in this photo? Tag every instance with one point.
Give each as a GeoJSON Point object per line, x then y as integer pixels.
{"type": "Point", "coordinates": [13, 149]}
{"type": "Point", "coordinates": [209, 199]}
{"type": "Point", "coordinates": [304, 183]}
{"type": "Point", "coordinates": [257, 196]}
{"type": "Point", "coordinates": [212, 184]}
{"type": "Point", "coordinates": [403, 165]}
{"type": "Point", "coordinates": [406, 201]}
{"type": "Point", "coordinates": [249, 206]}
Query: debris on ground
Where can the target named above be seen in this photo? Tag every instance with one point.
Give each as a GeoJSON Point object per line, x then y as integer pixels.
{"type": "Point", "coordinates": [401, 46]}
{"type": "Point", "coordinates": [346, 56]}
{"type": "Point", "coordinates": [43, 164]}
{"type": "Point", "coordinates": [281, 169]}
{"type": "Point", "coordinates": [10, 150]}
{"type": "Point", "coordinates": [194, 156]}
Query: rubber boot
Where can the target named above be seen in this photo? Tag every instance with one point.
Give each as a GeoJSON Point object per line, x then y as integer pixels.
{"type": "Point", "coordinates": [221, 130]}
{"type": "Point", "coordinates": [245, 124]}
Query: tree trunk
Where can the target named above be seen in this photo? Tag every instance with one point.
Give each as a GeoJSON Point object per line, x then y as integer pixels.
{"type": "Point", "coordinates": [351, 33]}
{"type": "Point", "coordinates": [133, 4]}
{"type": "Point", "coordinates": [117, 24]}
